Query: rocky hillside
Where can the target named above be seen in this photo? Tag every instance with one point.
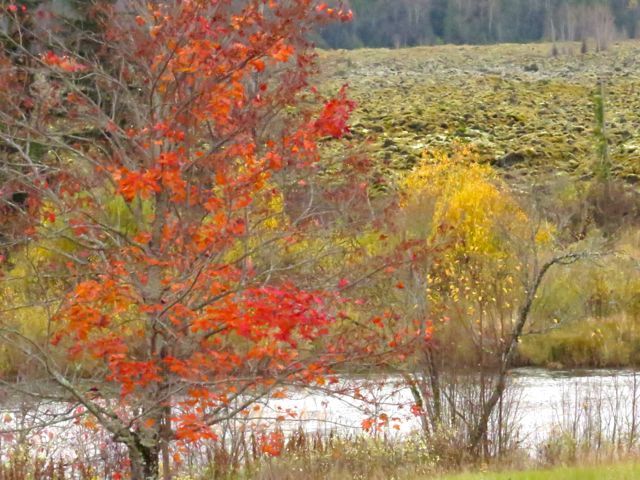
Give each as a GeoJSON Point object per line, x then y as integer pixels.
{"type": "Point", "coordinates": [524, 109]}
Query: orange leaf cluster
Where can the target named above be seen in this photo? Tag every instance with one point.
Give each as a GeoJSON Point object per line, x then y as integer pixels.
{"type": "Point", "coordinates": [170, 285]}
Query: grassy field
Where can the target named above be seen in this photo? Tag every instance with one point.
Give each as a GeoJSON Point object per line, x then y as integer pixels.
{"type": "Point", "coordinates": [624, 471]}
{"type": "Point", "coordinates": [521, 107]}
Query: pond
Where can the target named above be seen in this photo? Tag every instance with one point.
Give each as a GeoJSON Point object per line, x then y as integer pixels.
{"type": "Point", "coordinates": [543, 402]}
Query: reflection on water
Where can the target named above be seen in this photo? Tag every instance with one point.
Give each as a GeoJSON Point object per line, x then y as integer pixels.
{"type": "Point", "coordinates": [546, 400]}
{"type": "Point", "coordinates": [583, 403]}
{"type": "Point", "coordinates": [603, 402]}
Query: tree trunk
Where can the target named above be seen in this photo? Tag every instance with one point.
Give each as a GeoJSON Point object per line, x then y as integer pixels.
{"type": "Point", "coordinates": [480, 429]}
{"type": "Point", "coordinates": [144, 463]}
{"type": "Point", "coordinates": [434, 380]}
{"type": "Point", "coordinates": [165, 430]}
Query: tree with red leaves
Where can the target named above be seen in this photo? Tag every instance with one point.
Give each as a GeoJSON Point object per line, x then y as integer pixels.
{"type": "Point", "coordinates": [166, 157]}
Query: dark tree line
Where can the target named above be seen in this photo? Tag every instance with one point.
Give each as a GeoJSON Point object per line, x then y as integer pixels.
{"type": "Point", "coordinates": [399, 23]}
{"type": "Point", "coordinates": [384, 23]}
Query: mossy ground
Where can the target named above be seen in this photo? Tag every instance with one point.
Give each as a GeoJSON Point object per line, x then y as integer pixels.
{"type": "Point", "coordinates": [523, 108]}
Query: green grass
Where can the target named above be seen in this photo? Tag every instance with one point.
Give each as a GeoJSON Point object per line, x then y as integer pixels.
{"type": "Point", "coordinates": [625, 471]}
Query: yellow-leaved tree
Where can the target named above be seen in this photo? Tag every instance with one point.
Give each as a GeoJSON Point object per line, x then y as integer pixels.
{"type": "Point", "coordinates": [485, 255]}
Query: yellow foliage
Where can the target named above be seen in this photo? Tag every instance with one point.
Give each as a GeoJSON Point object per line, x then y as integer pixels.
{"type": "Point", "coordinates": [122, 216]}
{"type": "Point", "coordinates": [545, 233]}
{"type": "Point", "coordinates": [21, 311]}
{"type": "Point", "coordinates": [26, 296]}
{"type": "Point", "coordinates": [370, 242]}
{"type": "Point", "coordinates": [471, 206]}
{"type": "Point", "coordinates": [276, 209]}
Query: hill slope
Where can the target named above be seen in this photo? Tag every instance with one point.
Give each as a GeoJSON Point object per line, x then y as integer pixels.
{"type": "Point", "coordinates": [523, 109]}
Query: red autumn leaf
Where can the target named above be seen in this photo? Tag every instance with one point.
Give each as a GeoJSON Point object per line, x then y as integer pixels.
{"type": "Point", "coordinates": [334, 116]}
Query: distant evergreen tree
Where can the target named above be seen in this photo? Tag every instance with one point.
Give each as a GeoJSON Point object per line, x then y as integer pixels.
{"type": "Point", "coordinates": [381, 23]}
